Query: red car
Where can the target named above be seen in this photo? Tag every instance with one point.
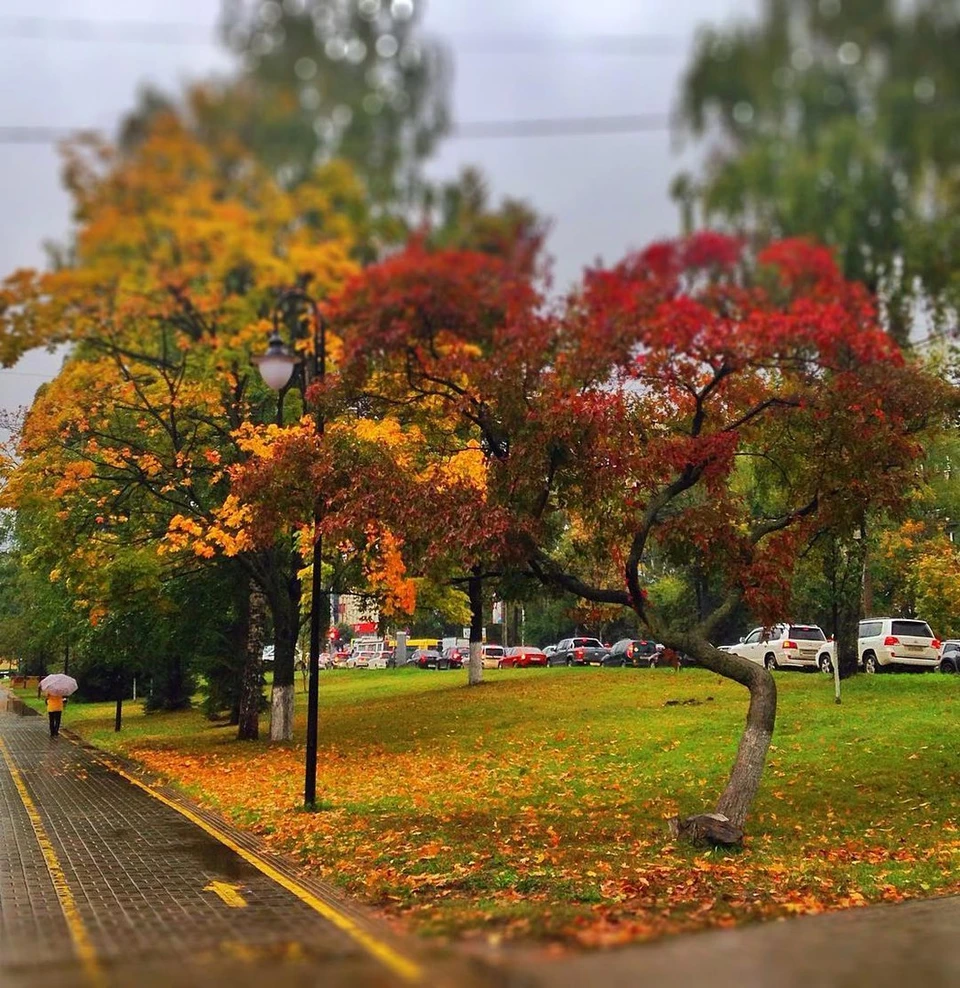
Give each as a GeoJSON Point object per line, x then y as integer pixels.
{"type": "Point", "coordinates": [523, 656]}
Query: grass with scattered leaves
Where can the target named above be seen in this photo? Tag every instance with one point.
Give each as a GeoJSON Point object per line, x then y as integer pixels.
{"type": "Point", "coordinates": [535, 805]}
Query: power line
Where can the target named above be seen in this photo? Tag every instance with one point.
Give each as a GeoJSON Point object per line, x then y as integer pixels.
{"type": "Point", "coordinates": [636, 123]}
{"type": "Point", "coordinates": [193, 33]}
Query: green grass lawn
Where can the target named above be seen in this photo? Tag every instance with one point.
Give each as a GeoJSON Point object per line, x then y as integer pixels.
{"type": "Point", "coordinates": [535, 805]}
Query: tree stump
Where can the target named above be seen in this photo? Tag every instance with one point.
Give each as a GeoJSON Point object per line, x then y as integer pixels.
{"type": "Point", "coordinates": [706, 828]}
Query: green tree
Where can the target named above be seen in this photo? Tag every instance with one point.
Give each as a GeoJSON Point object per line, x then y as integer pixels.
{"type": "Point", "coordinates": [841, 121]}
{"type": "Point", "coordinates": [321, 79]}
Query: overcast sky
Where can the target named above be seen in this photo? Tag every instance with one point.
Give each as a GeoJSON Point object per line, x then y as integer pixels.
{"type": "Point", "coordinates": [604, 194]}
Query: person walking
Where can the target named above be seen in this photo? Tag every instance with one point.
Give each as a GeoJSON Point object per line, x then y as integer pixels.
{"type": "Point", "coordinates": [54, 712]}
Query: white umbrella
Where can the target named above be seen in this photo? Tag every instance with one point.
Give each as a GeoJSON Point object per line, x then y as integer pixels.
{"type": "Point", "coordinates": [58, 685]}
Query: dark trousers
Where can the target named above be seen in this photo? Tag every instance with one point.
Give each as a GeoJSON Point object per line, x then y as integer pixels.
{"type": "Point", "coordinates": [55, 716]}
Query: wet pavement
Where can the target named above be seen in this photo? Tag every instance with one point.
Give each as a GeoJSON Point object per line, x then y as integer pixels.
{"type": "Point", "coordinates": [104, 884]}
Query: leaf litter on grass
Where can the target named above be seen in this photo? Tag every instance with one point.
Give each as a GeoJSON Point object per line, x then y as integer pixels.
{"type": "Point", "coordinates": [536, 808]}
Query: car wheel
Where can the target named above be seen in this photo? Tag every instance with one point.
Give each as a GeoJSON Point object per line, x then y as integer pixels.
{"type": "Point", "coordinates": [770, 662]}
{"type": "Point", "coordinates": [499, 665]}
{"type": "Point", "coordinates": [569, 661]}
{"type": "Point", "coordinates": [824, 664]}
{"type": "Point", "coordinates": [946, 666]}
{"type": "Point", "coordinates": [653, 662]}
{"type": "Point", "coordinates": [870, 664]}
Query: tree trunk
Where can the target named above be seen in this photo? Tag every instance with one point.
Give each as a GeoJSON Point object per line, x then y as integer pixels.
{"type": "Point", "coordinates": [475, 592]}
{"type": "Point", "coordinates": [251, 676]}
{"type": "Point", "coordinates": [285, 608]}
{"type": "Point", "coordinates": [741, 789]}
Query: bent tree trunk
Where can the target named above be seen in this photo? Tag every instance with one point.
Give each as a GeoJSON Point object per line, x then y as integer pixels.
{"type": "Point", "coordinates": [475, 592]}
{"type": "Point", "coordinates": [741, 789]}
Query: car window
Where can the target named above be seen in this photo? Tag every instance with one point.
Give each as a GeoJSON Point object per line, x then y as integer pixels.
{"type": "Point", "coordinates": [493, 649]}
{"type": "Point", "coordinates": [951, 648]}
{"type": "Point", "coordinates": [916, 629]}
{"type": "Point", "coordinates": [587, 643]}
{"type": "Point", "coordinates": [753, 637]}
{"type": "Point", "coordinates": [869, 629]}
{"type": "Point", "coordinates": [806, 633]}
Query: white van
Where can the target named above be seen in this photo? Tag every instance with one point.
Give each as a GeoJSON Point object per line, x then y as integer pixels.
{"type": "Point", "coordinates": [888, 642]}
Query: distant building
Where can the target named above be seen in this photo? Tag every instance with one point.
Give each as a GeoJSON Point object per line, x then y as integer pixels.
{"type": "Point", "coordinates": [360, 613]}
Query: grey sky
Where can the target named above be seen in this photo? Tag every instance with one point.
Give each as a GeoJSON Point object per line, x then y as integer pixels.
{"type": "Point", "coordinates": [604, 194]}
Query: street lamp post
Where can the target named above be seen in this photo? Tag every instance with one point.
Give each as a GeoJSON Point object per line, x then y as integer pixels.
{"type": "Point", "coordinates": [276, 367]}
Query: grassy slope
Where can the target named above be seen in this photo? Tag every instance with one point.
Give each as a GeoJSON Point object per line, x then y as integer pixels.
{"type": "Point", "coordinates": [536, 804]}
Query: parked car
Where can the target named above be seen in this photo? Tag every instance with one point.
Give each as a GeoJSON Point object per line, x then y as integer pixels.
{"type": "Point", "coordinates": [427, 658]}
{"type": "Point", "coordinates": [889, 642]}
{"type": "Point", "coordinates": [362, 660]}
{"type": "Point", "coordinates": [455, 656]}
{"type": "Point", "coordinates": [950, 656]}
{"type": "Point", "coordinates": [802, 646]}
{"type": "Point", "coordinates": [580, 652]}
{"type": "Point", "coordinates": [634, 652]}
{"type": "Point", "coordinates": [523, 656]}
{"type": "Point", "coordinates": [493, 656]}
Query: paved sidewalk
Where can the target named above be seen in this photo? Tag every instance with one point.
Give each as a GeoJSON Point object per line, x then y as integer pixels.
{"type": "Point", "coordinates": [101, 884]}
{"type": "Point", "coordinates": [908, 945]}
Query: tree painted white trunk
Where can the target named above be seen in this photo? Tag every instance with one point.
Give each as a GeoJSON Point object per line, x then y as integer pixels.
{"type": "Point", "coordinates": [475, 665]}
{"type": "Point", "coordinates": [281, 713]}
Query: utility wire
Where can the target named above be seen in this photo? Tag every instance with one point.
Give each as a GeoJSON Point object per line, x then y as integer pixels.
{"type": "Point", "coordinates": [637, 123]}
{"type": "Point", "coordinates": [193, 33]}
{"type": "Point", "coordinates": [634, 123]}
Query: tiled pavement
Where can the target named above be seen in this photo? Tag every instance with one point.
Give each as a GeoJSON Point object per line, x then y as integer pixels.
{"type": "Point", "coordinates": [138, 873]}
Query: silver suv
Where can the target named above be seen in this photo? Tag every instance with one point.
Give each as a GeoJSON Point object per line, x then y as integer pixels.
{"type": "Point", "coordinates": [888, 642]}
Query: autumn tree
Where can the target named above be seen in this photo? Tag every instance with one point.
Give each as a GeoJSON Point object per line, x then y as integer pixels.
{"type": "Point", "coordinates": [648, 408]}
{"type": "Point", "coordinates": [180, 253]}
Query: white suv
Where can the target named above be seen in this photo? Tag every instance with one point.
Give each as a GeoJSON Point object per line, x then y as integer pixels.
{"type": "Point", "coordinates": [885, 642]}
{"type": "Point", "coordinates": [803, 646]}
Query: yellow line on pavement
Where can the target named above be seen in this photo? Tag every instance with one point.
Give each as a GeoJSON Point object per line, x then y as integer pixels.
{"type": "Point", "coordinates": [230, 894]}
{"type": "Point", "coordinates": [402, 966]}
{"type": "Point", "coordinates": [78, 932]}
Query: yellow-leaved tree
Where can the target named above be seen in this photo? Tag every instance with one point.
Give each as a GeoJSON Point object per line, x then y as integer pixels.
{"type": "Point", "coordinates": [179, 254]}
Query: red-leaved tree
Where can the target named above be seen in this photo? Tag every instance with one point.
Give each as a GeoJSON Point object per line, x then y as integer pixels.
{"type": "Point", "coordinates": [696, 401]}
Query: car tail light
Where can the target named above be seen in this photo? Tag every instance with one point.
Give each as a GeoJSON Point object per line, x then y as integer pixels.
{"type": "Point", "coordinates": [789, 644]}
{"type": "Point", "coordinates": [891, 640]}
{"type": "Point", "coordinates": [578, 653]}
{"type": "Point", "coordinates": [630, 651]}
{"type": "Point", "coordinates": [935, 643]}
